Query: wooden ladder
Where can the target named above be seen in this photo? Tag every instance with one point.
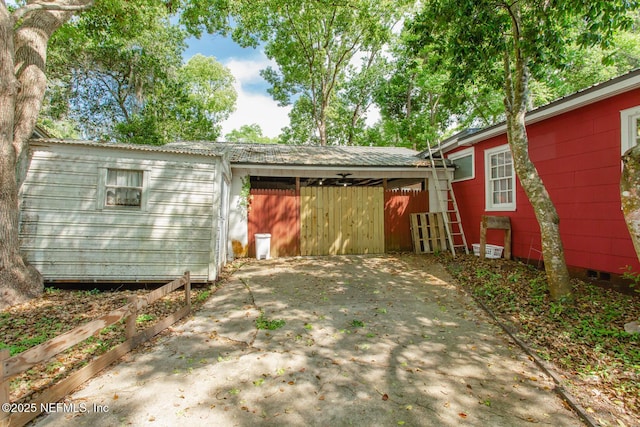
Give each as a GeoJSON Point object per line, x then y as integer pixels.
{"type": "Point", "coordinates": [447, 202]}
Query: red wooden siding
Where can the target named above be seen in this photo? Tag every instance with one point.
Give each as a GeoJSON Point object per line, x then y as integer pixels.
{"type": "Point", "coordinates": [398, 205]}
{"type": "Point", "coordinates": [276, 212]}
{"type": "Point", "coordinates": [578, 157]}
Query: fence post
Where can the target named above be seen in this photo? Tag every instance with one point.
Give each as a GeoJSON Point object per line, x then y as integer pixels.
{"type": "Point", "coordinates": [4, 389]}
{"type": "Point", "coordinates": [187, 289]}
{"type": "Point", "coordinates": [130, 328]}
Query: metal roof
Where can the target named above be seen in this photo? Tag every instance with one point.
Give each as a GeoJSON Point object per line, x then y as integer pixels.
{"type": "Point", "coordinates": [273, 154]}
{"type": "Point", "coordinates": [312, 155]}
{"type": "Point", "coordinates": [212, 150]}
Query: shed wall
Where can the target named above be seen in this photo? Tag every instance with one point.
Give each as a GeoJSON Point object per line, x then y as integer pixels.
{"type": "Point", "coordinates": [68, 236]}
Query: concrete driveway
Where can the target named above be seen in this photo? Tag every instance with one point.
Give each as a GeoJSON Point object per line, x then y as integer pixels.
{"type": "Point", "coordinates": [366, 341]}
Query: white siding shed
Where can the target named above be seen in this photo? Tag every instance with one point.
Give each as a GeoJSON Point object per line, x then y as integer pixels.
{"type": "Point", "coordinates": [114, 212]}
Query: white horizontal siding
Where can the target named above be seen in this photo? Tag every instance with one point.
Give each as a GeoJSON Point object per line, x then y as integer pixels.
{"type": "Point", "coordinates": [68, 235]}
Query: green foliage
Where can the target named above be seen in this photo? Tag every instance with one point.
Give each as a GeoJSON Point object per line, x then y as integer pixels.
{"type": "Point", "coordinates": [357, 323]}
{"type": "Point", "coordinates": [633, 276]}
{"type": "Point", "coordinates": [43, 329]}
{"type": "Point", "coordinates": [314, 45]}
{"type": "Point", "coordinates": [202, 296]}
{"type": "Point", "coordinates": [264, 323]}
{"type": "Point", "coordinates": [116, 73]}
{"type": "Point", "coordinates": [249, 133]}
{"type": "Point", "coordinates": [143, 318]}
{"type": "Point", "coordinates": [560, 43]}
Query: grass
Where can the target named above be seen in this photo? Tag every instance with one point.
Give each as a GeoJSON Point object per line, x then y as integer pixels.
{"type": "Point", "coordinates": [264, 323]}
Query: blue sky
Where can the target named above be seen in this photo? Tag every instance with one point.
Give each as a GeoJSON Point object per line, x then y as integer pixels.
{"type": "Point", "coordinates": [254, 104]}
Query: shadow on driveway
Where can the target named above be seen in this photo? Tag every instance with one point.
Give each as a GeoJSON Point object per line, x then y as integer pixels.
{"type": "Point", "coordinates": [367, 341]}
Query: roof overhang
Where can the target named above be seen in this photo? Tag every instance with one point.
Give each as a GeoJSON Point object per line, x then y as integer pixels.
{"type": "Point", "coordinates": [608, 89]}
{"type": "Point", "coordinates": [331, 171]}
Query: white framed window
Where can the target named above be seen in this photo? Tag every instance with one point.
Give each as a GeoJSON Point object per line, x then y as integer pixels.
{"type": "Point", "coordinates": [629, 128]}
{"type": "Point", "coordinates": [464, 160]}
{"type": "Point", "coordinates": [500, 179]}
{"type": "Point", "coordinates": [122, 188]}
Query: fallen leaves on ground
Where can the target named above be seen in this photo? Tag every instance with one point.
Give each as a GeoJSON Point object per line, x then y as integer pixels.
{"type": "Point", "coordinates": [583, 339]}
{"type": "Point", "coordinates": [58, 311]}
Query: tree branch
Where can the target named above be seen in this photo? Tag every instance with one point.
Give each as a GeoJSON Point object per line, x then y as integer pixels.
{"type": "Point", "coordinates": [19, 13]}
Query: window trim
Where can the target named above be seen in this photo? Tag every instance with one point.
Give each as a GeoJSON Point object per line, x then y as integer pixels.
{"type": "Point", "coordinates": [464, 153]}
{"type": "Point", "coordinates": [101, 192]}
{"type": "Point", "coordinates": [628, 118]}
{"type": "Point", "coordinates": [489, 205]}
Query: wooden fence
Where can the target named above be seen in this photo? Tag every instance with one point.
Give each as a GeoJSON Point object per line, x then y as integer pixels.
{"type": "Point", "coordinates": [12, 366]}
{"type": "Point", "coordinates": [276, 212]}
{"type": "Point", "coordinates": [398, 206]}
{"type": "Point", "coordinates": [341, 220]}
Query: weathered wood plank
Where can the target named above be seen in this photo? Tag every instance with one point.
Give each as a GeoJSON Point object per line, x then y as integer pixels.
{"type": "Point", "coordinates": [373, 228]}
{"type": "Point", "coordinates": [60, 390]}
{"type": "Point", "coordinates": [156, 294]}
{"type": "Point", "coordinates": [498, 222]}
{"type": "Point", "coordinates": [4, 387]}
{"type": "Point", "coordinates": [379, 223]}
{"type": "Point", "coordinates": [359, 220]}
{"type": "Point", "coordinates": [323, 202]}
{"type": "Point", "coordinates": [313, 228]}
{"type": "Point", "coordinates": [442, 233]}
{"type": "Point", "coordinates": [304, 220]}
{"type": "Point", "coordinates": [46, 350]}
{"type": "Point", "coordinates": [332, 232]}
{"type": "Point", "coordinates": [495, 222]}
{"type": "Point", "coordinates": [428, 232]}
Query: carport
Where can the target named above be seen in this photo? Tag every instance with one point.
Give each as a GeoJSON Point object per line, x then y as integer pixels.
{"type": "Point", "coordinates": [327, 200]}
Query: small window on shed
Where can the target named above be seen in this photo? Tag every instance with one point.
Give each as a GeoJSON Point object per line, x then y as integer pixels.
{"type": "Point", "coordinates": [124, 188]}
{"type": "Point", "coordinates": [464, 162]}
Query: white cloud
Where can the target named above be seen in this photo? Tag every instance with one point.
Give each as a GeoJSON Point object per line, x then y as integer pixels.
{"type": "Point", "coordinates": [254, 105]}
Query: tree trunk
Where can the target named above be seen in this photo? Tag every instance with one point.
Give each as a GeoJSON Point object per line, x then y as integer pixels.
{"type": "Point", "coordinates": [23, 49]}
{"type": "Point", "coordinates": [516, 96]}
{"type": "Point", "coordinates": [18, 281]}
{"type": "Point", "coordinates": [545, 211]}
{"type": "Point", "coordinates": [630, 194]}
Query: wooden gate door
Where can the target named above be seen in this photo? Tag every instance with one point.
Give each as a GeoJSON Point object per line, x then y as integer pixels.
{"type": "Point", "coordinates": [341, 220]}
{"type": "Point", "coordinates": [276, 212]}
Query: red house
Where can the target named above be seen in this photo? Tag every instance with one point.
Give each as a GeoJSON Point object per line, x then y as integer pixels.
{"type": "Point", "coordinates": [576, 143]}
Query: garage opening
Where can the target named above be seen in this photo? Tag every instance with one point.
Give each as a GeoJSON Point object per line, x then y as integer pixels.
{"type": "Point", "coordinates": [334, 215]}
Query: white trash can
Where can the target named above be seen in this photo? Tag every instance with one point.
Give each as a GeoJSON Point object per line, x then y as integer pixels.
{"type": "Point", "coordinates": [263, 246]}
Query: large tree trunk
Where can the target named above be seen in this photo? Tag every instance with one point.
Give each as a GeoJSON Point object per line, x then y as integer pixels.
{"type": "Point", "coordinates": [516, 102]}
{"type": "Point", "coordinates": [18, 281]}
{"type": "Point", "coordinates": [545, 211]}
{"type": "Point", "coordinates": [23, 49]}
{"type": "Point", "coordinates": [630, 194]}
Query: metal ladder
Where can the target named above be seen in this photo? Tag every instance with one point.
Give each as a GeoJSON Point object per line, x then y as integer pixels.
{"type": "Point", "coordinates": [448, 204]}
